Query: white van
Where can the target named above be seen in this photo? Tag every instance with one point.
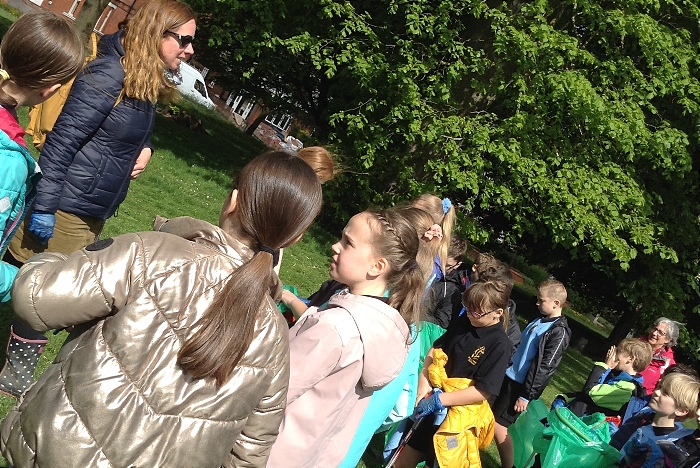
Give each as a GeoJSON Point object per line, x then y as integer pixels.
{"type": "Point", "coordinates": [193, 86]}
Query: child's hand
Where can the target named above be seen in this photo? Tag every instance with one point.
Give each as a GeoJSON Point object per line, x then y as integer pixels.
{"type": "Point", "coordinates": [637, 449]}
{"type": "Point", "coordinates": [611, 358]}
{"type": "Point", "coordinates": [520, 405]}
{"type": "Point", "coordinates": [429, 405]}
{"type": "Point", "coordinates": [422, 392]}
{"type": "Point", "coordinates": [141, 162]}
{"type": "Point", "coordinates": [288, 297]}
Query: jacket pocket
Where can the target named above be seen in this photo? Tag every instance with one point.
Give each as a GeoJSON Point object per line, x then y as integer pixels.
{"type": "Point", "coordinates": [98, 175]}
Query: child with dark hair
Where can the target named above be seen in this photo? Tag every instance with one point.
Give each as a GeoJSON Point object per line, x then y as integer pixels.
{"type": "Point", "coordinates": [39, 54]}
{"type": "Point", "coordinates": [488, 268]}
{"type": "Point", "coordinates": [179, 357]}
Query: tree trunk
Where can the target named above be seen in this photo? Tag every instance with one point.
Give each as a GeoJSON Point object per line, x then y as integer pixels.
{"type": "Point", "coordinates": [258, 120]}
{"type": "Point", "coordinates": [623, 326]}
{"type": "Point", "coordinates": [88, 16]}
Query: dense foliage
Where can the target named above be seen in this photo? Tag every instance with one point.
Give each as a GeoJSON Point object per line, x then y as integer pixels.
{"type": "Point", "coordinates": [568, 128]}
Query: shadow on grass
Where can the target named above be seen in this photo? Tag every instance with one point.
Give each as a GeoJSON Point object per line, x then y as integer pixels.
{"type": "Point", "coordinates": [219, 146]}
{"type": "Point", "coordinates": [5, 24]}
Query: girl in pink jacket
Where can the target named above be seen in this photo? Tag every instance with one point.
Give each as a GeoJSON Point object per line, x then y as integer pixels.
{"type": "Point", "coordinates": [354, 345]}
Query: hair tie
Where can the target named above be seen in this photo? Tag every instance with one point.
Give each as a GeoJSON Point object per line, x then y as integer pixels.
{"type": "Point", "coordinates": [4, 75]}
{"type": "Point", "coordinates": [434, 231]}
{"type": "Point", "coordinates": [446, 205]}
{"type": "Point", "coordinates": [274, 253]}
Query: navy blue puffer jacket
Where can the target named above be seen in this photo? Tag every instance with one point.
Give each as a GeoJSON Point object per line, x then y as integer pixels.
{"type": "Point", "coordinates": [89, 155]}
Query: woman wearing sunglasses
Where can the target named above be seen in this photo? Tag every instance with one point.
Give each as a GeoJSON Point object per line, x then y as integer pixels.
{"type": "Point", "coordinates": [662, 336]}
{"type": "Point", "coordinates": [100, 142]}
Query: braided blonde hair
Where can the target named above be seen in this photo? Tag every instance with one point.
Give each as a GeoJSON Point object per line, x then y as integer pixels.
{"type": "Point", "coordinates": [396, 239]}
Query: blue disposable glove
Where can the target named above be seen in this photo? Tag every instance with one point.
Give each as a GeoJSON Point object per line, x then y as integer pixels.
{"type": "Point", "coordinates": [558, 402]}
{"type": "Point", "coordinates": [41, 225]}
{"type": "Point", "coordinates": [637, 449]}
{"type": "Point", "coordinates": [429, 405]}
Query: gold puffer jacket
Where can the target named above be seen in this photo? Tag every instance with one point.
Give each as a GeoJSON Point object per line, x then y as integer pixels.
{"type": "Point", "coordinates": [115, 396]}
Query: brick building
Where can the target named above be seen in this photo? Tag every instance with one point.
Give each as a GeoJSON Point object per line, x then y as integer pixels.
{"type": "Point", "coordinates": [115, 12]}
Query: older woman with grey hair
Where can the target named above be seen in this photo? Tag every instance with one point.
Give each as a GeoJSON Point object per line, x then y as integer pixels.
{"type": "Point", "coordinates": [662, 336]}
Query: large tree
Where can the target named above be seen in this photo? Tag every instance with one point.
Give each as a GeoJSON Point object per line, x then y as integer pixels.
{"type": "Point", "coordinates": [570, 126]}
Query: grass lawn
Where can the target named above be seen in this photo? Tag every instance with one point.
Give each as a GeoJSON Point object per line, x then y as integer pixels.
{"type": "Point", "coordinates": [190, 174]}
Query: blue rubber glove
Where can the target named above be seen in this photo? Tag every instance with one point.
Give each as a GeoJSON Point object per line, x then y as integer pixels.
{"type": "Point", "coordinates": [429, 405]}
{"type": "Point", "coordinates": [637, 449]}
{"type": "Point", "coordinates": [41, 225]}
{"type": "Point", "coordinates": [558, 402]}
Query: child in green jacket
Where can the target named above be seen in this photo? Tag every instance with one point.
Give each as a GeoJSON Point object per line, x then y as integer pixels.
{"type": "Point", "coordinates": [612, 383]}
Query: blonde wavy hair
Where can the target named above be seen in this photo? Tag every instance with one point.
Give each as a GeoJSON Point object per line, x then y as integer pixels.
{"type": "Point", "coordinates": [435, 207]}
{"type": "Point", "coordinates": [144, 69]}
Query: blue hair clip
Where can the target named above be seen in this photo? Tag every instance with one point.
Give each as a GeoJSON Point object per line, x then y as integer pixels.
{"type": "Point", "coordinates": [446, 205]}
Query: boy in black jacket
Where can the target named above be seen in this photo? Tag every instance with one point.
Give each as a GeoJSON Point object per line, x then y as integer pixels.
{"type": "Point", "coordinates": [536, 358]}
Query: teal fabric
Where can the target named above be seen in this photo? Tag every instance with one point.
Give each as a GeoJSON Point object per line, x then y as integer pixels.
{"type": "Point", "coordinates": [429, 332]}
{"type": "Point", "coordinates": [389, 404]}
{"type": "Point", "coordinates": [18, 168]}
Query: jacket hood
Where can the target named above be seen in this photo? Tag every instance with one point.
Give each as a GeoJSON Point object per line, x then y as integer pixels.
{"type": "Point", "coordinates": [457, 277]}
{"type": "Point", "coordinates": [111, 45]}
{"type": "Point", "coordinates": [384, 334]}
{"type": "Point", "coordinates": [7, 142]}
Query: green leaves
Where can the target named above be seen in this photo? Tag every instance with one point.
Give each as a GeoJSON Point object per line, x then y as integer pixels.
{"type": "Point", "coordinates": [568, 125]}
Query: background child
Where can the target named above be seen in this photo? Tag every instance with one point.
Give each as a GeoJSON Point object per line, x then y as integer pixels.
{"type": "Point", "coordinates": [444, 215]}
{"type": "Point", "coordinates": [356, 344]}
{"type": "Point", "coordinates": [445, 294]}
{"type": "Point", "coordinates": [39, 53]}
{"type": "Point", "coordinates": [612, 383]}
{"type": "Point", "coordinates": [325, 168]}
{"type": "Point", "coordinates": [537, 357]}
{"type": "Point", "coordinates": [320, 161]}
{"type": "Point", "coordinates": [477, 350]}
{"type": "Point", "coordinates": [675, 397]}
{"type": "Point", "coordinates": [488, 268]}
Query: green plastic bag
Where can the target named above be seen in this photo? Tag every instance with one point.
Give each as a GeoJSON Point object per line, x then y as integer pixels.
{"type": "Point", "coordinates": [427, 334]}
{"type": "Point", "coordinates": [567, 440]}
{"type": "Point", "coordinates": [280, 305]}
{"type": "Point", "coordinates": [524, 430]}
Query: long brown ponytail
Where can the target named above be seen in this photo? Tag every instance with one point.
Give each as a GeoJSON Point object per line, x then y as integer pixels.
{"type": "Point", "coordinates": [279, 196]}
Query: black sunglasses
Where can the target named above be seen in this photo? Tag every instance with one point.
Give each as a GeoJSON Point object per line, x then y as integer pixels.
{"type": "Point", "coordinates": [184, 41]}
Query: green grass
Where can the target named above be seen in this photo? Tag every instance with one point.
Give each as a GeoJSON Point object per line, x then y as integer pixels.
{"type": "Point", "coordinates": [8, 15]}
{"type": "Point", "coordinates": [190, 174]}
